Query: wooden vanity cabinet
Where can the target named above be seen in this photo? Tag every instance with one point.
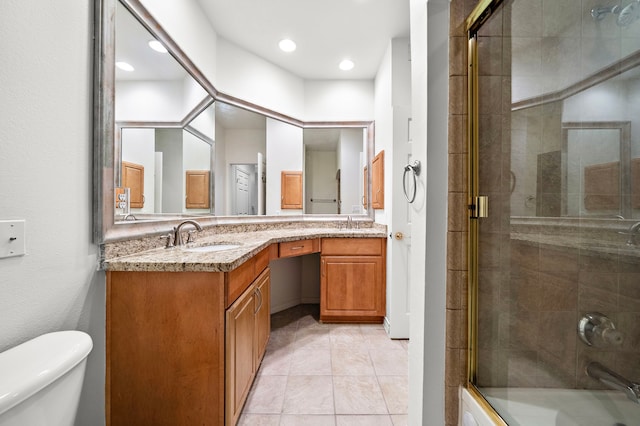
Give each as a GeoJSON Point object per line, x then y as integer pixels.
{"type": "Point", "coordinates": [247, 333]}
{"type": "Point", "coordinates": [352, 280]}
{"type": "Point", "coordinates": [166, 361]}
{"type": "Point", "coordinates": [165, 348]}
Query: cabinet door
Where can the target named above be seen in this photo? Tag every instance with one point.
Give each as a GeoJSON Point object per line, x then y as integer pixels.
{"type": "Point", "coordinates": [352, 288]}
{"type": "Point", "coordinates": [197, 189]}
{"type": "Point", "coordinates": [239, 354]}
{"type": "Point", "coordinates": [291, 190]}
{"type": "Point", "coordinates": [263, 315]}
{"type": "Point", "coordinates": [133, 178]}
{"type": "Point", "coordinates": [377, 181]}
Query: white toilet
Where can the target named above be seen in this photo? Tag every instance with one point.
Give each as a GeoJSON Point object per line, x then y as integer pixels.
{"type": "Point", "coordinates": [41, 380]}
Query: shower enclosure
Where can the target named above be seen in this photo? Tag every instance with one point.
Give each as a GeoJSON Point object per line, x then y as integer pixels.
{"type": "Point", "coordinates": [554, 178]}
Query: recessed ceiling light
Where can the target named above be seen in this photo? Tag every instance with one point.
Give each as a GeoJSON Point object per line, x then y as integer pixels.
{"type": "Point", "coordinates": [124, 66]}
{"type": "Point", "coordinates": [157, 46]}
{"type": "Point", "coordinates": [346, 65]}
{"type": "Point", "coordinates": [287, 45]}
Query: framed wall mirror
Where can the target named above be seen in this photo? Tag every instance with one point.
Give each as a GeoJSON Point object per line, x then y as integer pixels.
{"type": "Point", "coordinates": [168, 145]}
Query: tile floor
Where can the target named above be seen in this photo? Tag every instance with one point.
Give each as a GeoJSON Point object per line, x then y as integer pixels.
{"type": "Point", "coordinates": [328, 374]}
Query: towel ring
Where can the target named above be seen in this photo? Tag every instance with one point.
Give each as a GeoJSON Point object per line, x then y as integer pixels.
{"type": "Point", "coordinates": [415, 171]}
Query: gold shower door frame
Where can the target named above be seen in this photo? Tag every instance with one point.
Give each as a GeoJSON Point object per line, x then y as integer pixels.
{"type": "Point", "coordinates": [474, 21]}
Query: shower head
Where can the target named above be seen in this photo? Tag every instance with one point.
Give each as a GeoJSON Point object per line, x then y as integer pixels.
{"type": "Point", "coordinates": [628, 14]}
{"type": "Point", "coordinates": [599, 12]}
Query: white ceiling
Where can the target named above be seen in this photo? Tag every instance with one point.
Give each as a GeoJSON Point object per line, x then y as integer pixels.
{"type": "Point", "coordinates": [326, 31]}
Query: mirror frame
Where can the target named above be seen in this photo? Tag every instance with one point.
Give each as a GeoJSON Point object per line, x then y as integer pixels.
{"type": "Point", "coordinates": [104, 131]}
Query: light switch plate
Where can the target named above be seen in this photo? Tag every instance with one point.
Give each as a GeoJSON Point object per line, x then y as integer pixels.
{"type": "Point", "coordinates": [12, 238]}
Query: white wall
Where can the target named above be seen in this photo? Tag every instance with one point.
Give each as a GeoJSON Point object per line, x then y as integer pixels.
{"type": "Point", "coordinates": [188, 26]}
{"type": "Point", "coordinates": [429, 39]}
{"type": "Point", "coordinates": [149, 101]}
{"type": "Point", "coordinates": [284, 152]}
{"type": "Point", "coordinates": [139, 146]}
{"type": "Point", "coordinates": [350, 149]}
{"type": "Point", "coordinates": [338, 100]}
{"type": "Point", "coordinates": [249, 77]}
{"type": "Point", "coordinates": [45, 178]}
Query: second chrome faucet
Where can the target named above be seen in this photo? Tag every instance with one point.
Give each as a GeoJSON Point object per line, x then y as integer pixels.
{"type": "Point", "coordinates": [175, 238]}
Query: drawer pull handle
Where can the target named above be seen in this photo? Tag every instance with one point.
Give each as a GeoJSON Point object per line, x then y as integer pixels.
{"type": "Point", "coordinates": [297, 248]}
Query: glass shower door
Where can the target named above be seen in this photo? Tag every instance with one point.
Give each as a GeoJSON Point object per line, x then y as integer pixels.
{"type": "Point", "coordinates": [555, 146]}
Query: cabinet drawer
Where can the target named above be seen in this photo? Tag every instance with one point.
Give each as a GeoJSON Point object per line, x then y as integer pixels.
{"type": "Point", "coordinates": [262, 260]}
{"type": "Point", "coordinates": [300, 247]}
{"type": "Point", "coordinates": [353, 246]}
{"type": "Point", "coordinates": [237, 280]}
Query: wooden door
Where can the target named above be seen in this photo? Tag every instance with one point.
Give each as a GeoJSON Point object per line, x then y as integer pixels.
{"type": "Point", "coordinates": [240, 355]}
{"type": "Point", "coordinates": [263, 315]}
{"type": "Point", "coordinates": [133, 178]}
{"type": "Point", "coordinates": [240, 191]}
{"type": "Point", "coordinates": [291, 190]}
{"type": "Point", "coordinates": [377, 181]}
{"type": "Point", "coordinates": [352, 287]}
{"type": "Point", "coordinates": [197, 189]}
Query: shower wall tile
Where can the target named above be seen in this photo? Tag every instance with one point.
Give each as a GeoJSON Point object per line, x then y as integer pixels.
{"type": "Point", "coordinates": [562, 18]}
{"type": "Point", "coordinates": [457, 289]}
{"type": "Point", "coordinates": [526, 17]}
{"type": "Point", "coordinates": [458, 134]}
{"type": "Point", "coordinates": [457, 338]}
{"type": "Point", "coordinates": [457, 208]}
{"type": "Point", "coordinates": [457, 165]}
{"type": "Point", "coordinates": [457, 94]}
{"type": "Point", "coordinates": [457, 225]}
{"type": "Point", "coordinates": [629, 287]}
{"type": "Point", "coordinates": [490, 56]}
{"type": "Point", "coordinates": [458, 56]}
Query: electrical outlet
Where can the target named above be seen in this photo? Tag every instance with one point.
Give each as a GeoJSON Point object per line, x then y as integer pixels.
{"type": "Point", "coordinates": [12, 238]}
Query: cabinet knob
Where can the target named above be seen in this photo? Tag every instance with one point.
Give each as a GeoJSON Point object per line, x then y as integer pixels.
{"type": "Point", "coordinates": [399, 235]}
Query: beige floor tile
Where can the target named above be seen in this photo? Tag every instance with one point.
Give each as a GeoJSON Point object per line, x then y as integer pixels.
{"type": "Point", "coordinates": [366, 420]}
{"type": "Point", "coordinates": [276, 363]}
{"type": "Point", "coordinates": [395, 392]}
{"type": "Point", "coordinates": [312, 338]}
{"type": "Point", "coordinates": [312, 370]}
{"type": "Point", "coordinates": [307, 420]}
{"type": "Point", "coordinates": [309, 395]}
{"type": "Point", "coordinates": [358, 395]}
{"type": "Point", "coordinates": [351, 361]}
{"type": "Point", "coordinates": [259, 420]}
{"type": "Point", "coordinates": [311, 362]}
{"type": "Point", "coordinates": [400, 419]}
{"type": "Point", "coordinates": [266, 395]}
{"type": "Point", "coordinates": [390, 362]}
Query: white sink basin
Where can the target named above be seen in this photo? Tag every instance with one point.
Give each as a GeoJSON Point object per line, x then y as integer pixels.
{"type": "Point", "coordinates": [211, 248]}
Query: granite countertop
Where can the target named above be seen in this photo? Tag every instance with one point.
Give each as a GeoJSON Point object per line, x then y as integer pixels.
{"type": "Point", "coordinates": [179, 259]}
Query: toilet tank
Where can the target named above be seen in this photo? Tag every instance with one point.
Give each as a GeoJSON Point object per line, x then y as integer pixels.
{"type": "Point", "coordinates": [41, 379]}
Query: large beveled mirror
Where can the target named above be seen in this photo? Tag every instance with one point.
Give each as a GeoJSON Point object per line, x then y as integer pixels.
{"type": "Point", "coordinates": [168, 145]}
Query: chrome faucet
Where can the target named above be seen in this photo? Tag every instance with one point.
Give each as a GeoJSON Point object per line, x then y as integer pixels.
{"type": "Point", "coordinates": [349, 222]}
{"type": "Point", "coordinates": [614, 381]}
{"type": "Point", "coordinates": [177, 231]}
{"type": "Point", "coordinates": [632, 234]}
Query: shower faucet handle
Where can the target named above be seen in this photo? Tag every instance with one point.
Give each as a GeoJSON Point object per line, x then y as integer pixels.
{"type": "Point", "coordinates": [596, 329]}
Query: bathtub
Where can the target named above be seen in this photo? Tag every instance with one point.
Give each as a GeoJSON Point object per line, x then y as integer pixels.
{"type": "Point", "coordinates": [551, 407]}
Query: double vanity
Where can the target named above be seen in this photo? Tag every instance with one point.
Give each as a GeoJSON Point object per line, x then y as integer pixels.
{"type": "Point", "coordinates": [187, 326]}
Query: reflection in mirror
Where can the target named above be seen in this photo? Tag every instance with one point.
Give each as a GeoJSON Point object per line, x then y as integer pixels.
{"type": "Point", "coordinates": [165, 129]}
{"type": "Point", "coordinates": [595, 169]}
{"type": "Point", "coordinates": [159, 120]}
{"type": "Point", "coordinates": [334, 170]}
{"type": "Point", "coordinates": [332, 161]}
{"type": "Point", "coordinates": [240, 161]}
{"type": "Point", "coordinates": [580, 148]}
